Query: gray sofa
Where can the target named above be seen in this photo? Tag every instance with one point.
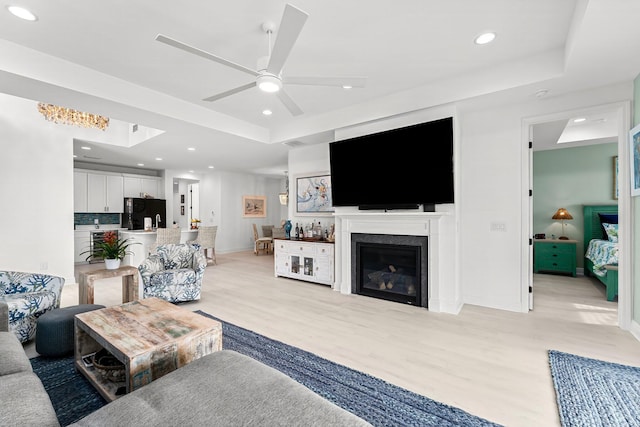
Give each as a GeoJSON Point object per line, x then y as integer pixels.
{"type": "Point", "coordinates": [222, 389]}
{"type": "Point", "coordinates": [23, 399]}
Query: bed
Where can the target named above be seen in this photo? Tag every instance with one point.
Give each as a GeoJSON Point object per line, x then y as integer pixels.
{"type": "Point", "coordinates": [601, 254]}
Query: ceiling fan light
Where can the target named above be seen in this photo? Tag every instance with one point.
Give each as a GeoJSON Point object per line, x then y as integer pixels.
{"type": "Point", "coordinates": [269, 83]}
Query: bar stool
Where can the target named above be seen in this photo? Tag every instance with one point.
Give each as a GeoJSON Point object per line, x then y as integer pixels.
{"type": "Point", "coordinates": [166, 236]}
{"type": "Point", "coordinates": [207, 240]}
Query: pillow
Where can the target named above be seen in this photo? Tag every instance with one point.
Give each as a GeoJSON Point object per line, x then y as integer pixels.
{"type": "Point", "coordinates": [611, 218]}
{"type": "Point", "coordinates": [607, 218]}
{"type": "Point", "coordinates": [612, 232]}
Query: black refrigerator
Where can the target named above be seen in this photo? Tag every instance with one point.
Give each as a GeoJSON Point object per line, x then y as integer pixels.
{"type": "Point", "coordinates": [136, 209]}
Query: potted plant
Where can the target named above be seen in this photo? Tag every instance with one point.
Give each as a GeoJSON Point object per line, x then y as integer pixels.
{"type": "Point", "coordinates": [111, 249]}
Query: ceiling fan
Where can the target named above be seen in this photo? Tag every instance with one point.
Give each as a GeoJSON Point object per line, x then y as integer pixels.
{"type": "Point", "coordinates": [268, 76]}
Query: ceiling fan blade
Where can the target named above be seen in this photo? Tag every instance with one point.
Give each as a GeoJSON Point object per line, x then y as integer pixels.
{"type": "Point", "coordinates": [194, 50]}
{"type": "Point", "coordinates": [288, 102]}
{"type": "Point", "coordinates": [326, 81]}
{"type": "Point", "coordinates": [293, 20]}
{"type": "Point", "coordinates": [230, 92]}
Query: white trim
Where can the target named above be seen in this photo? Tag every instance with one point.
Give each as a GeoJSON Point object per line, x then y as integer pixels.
{"type": "Point", "coordinates": [625, 292]}
{"type": "Point", "coordinates": [635, 329]}
{"type": "Point", "coordinates": [439, 226]}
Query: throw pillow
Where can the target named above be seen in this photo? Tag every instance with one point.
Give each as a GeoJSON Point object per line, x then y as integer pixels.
{"type": "Point", "coordinates": [612, 232]}
{"type": "Point", "coordinates": [607, 218]}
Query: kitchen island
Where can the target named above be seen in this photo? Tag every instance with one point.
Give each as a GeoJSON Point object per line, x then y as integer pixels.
{"type": "Point", "coordinates": [146, 240]}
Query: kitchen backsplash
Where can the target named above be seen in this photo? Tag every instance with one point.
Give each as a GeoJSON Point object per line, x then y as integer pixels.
{"type": "Point", "coordinates": [103, 218]}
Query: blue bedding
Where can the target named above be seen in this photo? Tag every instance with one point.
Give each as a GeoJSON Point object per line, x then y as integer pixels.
{"type": "Point", "coordinates": [602, 253]}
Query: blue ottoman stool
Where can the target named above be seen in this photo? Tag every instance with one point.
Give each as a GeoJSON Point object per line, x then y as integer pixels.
{"type": "Point", "coordinates": [54, 330]}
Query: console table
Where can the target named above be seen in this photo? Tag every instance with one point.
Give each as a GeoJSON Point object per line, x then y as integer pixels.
{"type": "Point", "coordinates": [311, 261]}
{"type": "Point", "coordinates": [130, 282]}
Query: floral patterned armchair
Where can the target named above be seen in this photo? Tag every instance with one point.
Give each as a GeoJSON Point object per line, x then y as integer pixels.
{"type": "Point", "coordinates": [23, 298]}
{"type": "Point", "coordinates": [174, 272]}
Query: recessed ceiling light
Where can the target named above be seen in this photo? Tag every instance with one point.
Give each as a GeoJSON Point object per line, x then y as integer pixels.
{"type": "Point", "coordinates": [267, 112]}
{"type": "Point", "coordinates": [485, 38]}
{"type": "Point", "coordinates": [190, 171]}
{"type": "Point", "coordinates": [74, 156]}
{"type": "Point", "coordinates": [158, 158]}
{"type": "Point", "coordinates": [86, 148]}
{"type": "Point", "coordinates": [347, 87]}
{"type": "Point", "coordinates": [579, 120]}
{"type": "Point", "coordinates": [210, 167]}
{"type": "Point", "coordinates": [140, 164]}
{"type": "Point", "coordinates": [191, 149]}
{"type": "Point", "coordinates": [22, 13]}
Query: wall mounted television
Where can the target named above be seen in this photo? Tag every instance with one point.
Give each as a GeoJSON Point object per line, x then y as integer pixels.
{"type": "Point", "coordinates": [395, 169]}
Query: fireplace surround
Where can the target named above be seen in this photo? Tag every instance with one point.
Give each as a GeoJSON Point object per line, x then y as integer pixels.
{"type": "Point", "coordinates": [443, 288]}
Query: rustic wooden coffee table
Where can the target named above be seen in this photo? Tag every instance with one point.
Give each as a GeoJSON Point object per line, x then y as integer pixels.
{"type": "Point", "coordinates": [151, 337]}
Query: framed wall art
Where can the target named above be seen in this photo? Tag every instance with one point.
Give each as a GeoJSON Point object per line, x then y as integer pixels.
{"type": "Point", "coordinates": [634, 151]}
{"type": "Point", "coordinates": [254, 206]}
{"type": "Point", "coordinates": [313, 194]}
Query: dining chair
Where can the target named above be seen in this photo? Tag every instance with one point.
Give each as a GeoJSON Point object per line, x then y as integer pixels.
{"type": "Point", "coordinates": [261, 244]}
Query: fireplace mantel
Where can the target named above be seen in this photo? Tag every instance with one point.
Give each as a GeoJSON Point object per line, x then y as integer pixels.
{"type": "Point", "coordinates": [444, 293]}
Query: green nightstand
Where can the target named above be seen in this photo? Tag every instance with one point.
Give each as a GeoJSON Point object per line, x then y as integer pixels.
{"type": "Point", "coordinates": [555, 256]}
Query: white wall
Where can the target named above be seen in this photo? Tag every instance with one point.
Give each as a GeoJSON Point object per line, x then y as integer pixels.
{"type": "Point", "coordinates": [221, 204]}
{"type": "Point", "coordinates": [307, 161]}
{"type": "Point", "coordinates": [36, 219]}
{"type": "Point", "coordinates": [489, 185]}
{"type": "Point", "coordinates": [36, 191]}
{"type": "Point", "coordinates": [491, 153]}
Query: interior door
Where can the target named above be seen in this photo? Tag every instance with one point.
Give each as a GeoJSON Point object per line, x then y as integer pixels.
{"type": "Point", "coordinates": [530, 232]}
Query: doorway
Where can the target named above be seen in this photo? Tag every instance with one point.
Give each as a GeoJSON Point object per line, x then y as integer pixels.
{"type": "Point", "coordinates": [186, 201]}
{"type": "Point", "coordinates": [559, 188]}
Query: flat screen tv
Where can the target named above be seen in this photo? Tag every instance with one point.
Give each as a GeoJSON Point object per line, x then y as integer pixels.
{"type": "Point", "coordinates": [396, 169]}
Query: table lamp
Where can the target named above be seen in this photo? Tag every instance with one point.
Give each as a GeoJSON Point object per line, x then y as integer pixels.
{"type": "Point", "coordinates": [562, 214]}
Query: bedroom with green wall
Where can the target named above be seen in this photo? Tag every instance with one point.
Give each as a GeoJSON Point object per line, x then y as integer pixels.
{"type": "Point", "coordinates": [570, 178]}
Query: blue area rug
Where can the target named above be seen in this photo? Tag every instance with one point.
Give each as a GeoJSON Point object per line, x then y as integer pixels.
{"type": "Point", "coordinates": [72, 395]}
{"type": "Point", "coordinates": [370, 398]}
{"type": "Point", "coordinates": [378, 402]}
{"type": "Point", "coordinates": [592, 392]}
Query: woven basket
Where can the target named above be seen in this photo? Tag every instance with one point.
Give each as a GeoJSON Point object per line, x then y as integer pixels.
{"type": "Point", "coordinates": [109, 368]}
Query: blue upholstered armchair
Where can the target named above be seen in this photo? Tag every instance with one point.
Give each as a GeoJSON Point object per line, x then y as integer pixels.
{"type": "Point", "coordinates": [174, 272]}
{"type": "Point", "coordinates": [23, 298]}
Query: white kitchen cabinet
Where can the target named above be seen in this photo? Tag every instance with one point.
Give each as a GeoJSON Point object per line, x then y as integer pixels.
{"type": "Point", "coordinates": [153, 187]}
{"type": "Point", "coordinates": [81, 242]}
{"type": "Point", "coordinates": [135, 186]}
{"type": "Point", "coordinates": [304, 260]}
{"type": "Point", "coordinates": [105, 193]}
{"type": "Point", "coordinates": [80, 192]}
{"type": "Point", "coordinates": [132, 186]}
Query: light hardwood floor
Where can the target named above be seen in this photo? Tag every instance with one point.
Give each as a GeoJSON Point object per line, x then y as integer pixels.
{"type": "Point", "coordinates": [491, 363]}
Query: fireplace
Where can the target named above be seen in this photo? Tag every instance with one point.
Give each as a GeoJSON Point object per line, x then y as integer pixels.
{"type": "Point", "coordinates": [391, 267]}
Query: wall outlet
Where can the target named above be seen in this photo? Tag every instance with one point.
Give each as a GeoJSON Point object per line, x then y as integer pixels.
{"type": "Point", "coordinates": [498, 226]}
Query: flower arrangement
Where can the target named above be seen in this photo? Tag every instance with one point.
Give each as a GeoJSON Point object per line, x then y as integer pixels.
{"type": "Point", "coordinates": [110, 248]}
{"type": "Point", "coordinates": [195, 222]}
